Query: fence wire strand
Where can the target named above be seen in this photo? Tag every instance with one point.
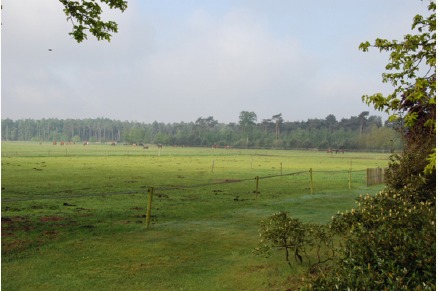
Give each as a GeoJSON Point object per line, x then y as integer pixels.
{"type": "Point", "coordinates": [182, 187]}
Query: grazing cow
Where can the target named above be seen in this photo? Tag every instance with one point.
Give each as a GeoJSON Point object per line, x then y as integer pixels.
{"type": "Point", "coordinates": [62, 143]}
{"type": "Point", "coordinates": [145, 147]}
{"type": "Point", "coordinates": [54, 142]}
{"type": "Point", "coordinates": [85, 143]}
{"type": "Point", "coordinates": [113, 144]}
{"type": "Point", "coordinates": [160, 146]}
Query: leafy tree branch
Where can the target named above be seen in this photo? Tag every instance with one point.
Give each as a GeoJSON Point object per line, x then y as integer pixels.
{"type": "Point", "coordinates": [412, 73]}
{"type": "Point", "coordinates": [86, 15]}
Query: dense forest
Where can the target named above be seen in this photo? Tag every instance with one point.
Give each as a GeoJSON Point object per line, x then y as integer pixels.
{"type": "Point", "coordinates": [362, 132]}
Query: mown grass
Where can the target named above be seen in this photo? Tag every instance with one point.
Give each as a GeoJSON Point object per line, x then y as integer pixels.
{"type": "Point", "coordinates": [73, 218]}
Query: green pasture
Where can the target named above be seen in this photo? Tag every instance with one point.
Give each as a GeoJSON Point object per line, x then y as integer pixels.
{"type": "Point", "coordinates": [73, 216]}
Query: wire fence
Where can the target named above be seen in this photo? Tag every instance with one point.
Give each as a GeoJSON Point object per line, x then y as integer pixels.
{"type": "Point", "coordinates": [309, 181]}
{"type": "Point", "coordinates": [105, 150]}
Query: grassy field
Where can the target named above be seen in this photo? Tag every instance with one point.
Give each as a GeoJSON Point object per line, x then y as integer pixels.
{"type": "Point", "coordinates": [73, 217]}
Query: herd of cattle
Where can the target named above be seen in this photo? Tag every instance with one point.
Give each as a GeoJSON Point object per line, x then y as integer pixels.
{"type": "Point", "coordinates": [336, 151]}
{"type": "Point", "coordinates": [160, 146]}
{"type": "Point", "coordinates": [145, 146]}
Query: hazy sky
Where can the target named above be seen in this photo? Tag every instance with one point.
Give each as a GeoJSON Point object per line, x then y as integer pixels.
{"type": "Point", "coordinates": [176, 61]}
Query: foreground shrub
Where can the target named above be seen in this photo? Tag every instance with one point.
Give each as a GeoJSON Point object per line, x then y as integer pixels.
{"type": "Point", "coordinates": [388, 243]}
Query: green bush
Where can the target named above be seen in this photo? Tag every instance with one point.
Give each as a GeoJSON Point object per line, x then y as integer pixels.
{"type": "Point", "coordinates": [388, 243]}
{"type": "Point", "coordinates": [389, 240]}
{"type": "Point", "coordinates": [279, 231]}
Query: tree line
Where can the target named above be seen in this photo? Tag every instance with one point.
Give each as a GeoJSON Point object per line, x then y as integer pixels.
{"type": "Point", "coordinates": [357, 132]}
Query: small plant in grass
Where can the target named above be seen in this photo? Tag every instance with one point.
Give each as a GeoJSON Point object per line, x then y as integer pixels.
{"type": "Point", "coordinates": [280, 231]}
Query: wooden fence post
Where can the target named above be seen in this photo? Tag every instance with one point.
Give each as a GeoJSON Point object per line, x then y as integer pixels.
{"type": "Point", "coordinates": [257, 187]}
{"type": "Point", "coordinates": [368, 177]}
{"type": "Point", "coordinates": [311, 181]}
{"type": "Point", "coordinates": [281, 169]}
{"type": "Point", "coordinates": [148, 212]}
{"type": "Point", "coordinates": [375, 176]}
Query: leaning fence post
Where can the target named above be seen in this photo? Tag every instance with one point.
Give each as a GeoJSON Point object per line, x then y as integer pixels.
{"type": "Point", "coordinates": [257, 186]}
{"type": "Point", "coordinates": [311, 181]}
{"type": "Point", "coordinates": [148, 212]}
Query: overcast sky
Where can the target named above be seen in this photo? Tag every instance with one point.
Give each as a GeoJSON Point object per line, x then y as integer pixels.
{"type": "Point", "coordinates": [176, 61]}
